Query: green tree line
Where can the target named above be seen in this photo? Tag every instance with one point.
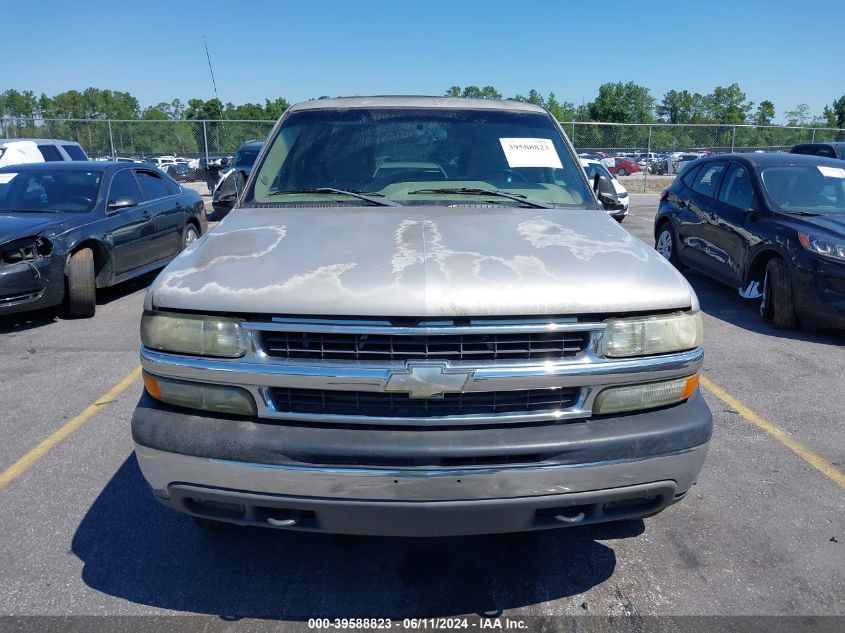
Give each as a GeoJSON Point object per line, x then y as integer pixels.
{"type": "Point", "coordinates": [615, 103]}
{"type": "Point", "coordinates": [721, 110]}
{"type": "Point", "coordinates": [135, 130]}
{"type": "Point", "coordinates": [631, 103]}
{"type": "Point", "coordinates": [94, 103]}
{"type": "Point", "coordinates": [628, 102]}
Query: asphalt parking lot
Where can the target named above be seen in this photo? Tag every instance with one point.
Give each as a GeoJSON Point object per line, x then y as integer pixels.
{"type": "Point", "coordinates": [763, 531]}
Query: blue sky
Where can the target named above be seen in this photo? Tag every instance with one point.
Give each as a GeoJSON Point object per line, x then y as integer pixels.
{"type": "Point", "coordinates": [777, 50]}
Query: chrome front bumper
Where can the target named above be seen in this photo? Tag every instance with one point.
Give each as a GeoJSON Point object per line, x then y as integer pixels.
{"type": "Point", "coordinates": [419, 503]}
{"type": "Point", "coordinates": [163, 469]}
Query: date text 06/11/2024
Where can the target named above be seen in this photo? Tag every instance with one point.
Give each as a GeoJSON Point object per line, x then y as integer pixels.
{"type": "Point", "coordinates": [433, 624]}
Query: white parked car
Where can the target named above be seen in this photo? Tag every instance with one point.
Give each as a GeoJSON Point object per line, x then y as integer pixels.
{"type": "Point", "coordinates": [163, 160]}
{"type": "Point", "coordinates": [591, 167]}
{"type": "Point", "coordinates": [38, 150]}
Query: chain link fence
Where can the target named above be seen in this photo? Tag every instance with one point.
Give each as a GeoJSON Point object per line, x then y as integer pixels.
{"type": "Point", "coordinates": [184, 148]}
{"type": "Point", "coordinates": [193, 144]}
{"type": "Point", "coordinates": [659, 149]}
{"type": "Point", "coordinates": [665, 137]}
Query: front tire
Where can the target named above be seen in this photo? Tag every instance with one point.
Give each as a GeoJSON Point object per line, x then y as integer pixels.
{"type": "Point", "coordinates": [190, 236]}
{"type": "Point", "coordinates": [81, 286]}
{"type": "Point", "coordinates": [778, 303]}
{"type": "Point", "coordinates": [621, 172]}
{"type": "Point", "coordinates": [666, 245]}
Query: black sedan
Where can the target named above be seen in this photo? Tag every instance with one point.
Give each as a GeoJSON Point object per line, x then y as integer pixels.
{"type": "Point", "coordinates": [829, 150]}
{"type": "Point", "coordinates": [69, 228]}
{"type": "Point", "coordinates": [770, 225]}
{"type": "Point", "coordinates": [182, 172]}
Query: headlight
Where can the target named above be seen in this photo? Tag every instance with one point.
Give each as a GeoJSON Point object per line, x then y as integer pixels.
{"type": "Point", "coordinates": [648, 396]}
{"type": "Point", "coordinates": [822, 246]}
{"type": "Point", "coordinates": [642, 336]}
{"type": "Point", "coordinates": [197, 395]}
{"type": "Point", "coordinates": [30, 249]}
{"type": "Point", "coordinates": [188, 334]}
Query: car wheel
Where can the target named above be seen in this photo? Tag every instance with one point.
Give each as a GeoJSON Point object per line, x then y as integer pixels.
{"type": "Point", "coordinates": [665, 244]}
{"type": "Point", "coordinates": [621, 172]}
{"type": "Point", "coordinates": [190, 236]}
{"type": "Point", "coordinates": [81, 286]}
{"type": "Point", "coordinates": [778, 303]}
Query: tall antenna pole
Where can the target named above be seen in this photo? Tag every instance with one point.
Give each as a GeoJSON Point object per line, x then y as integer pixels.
{"type": "Point", "coordinates": [210, 69]}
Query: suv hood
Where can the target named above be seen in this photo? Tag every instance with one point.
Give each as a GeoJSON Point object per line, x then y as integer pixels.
{"type": "Point", "coordinates": [420, 262]}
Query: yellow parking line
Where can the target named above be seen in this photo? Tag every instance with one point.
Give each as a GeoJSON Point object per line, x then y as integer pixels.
{"type": "Point", "coordinates": [24, 463]}
{"type": "Point", "coordinates": [808, 455]}
{"type": "Point", "coordinates": [636, 217]}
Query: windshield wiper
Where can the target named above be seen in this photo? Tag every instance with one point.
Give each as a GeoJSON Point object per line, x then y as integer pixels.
{"type": "Point", "coordinates": [812, 213]}
{"type": "Point", "coordinates": [366, 196]}
{"type": "Point", "coordinates": [473, 191]}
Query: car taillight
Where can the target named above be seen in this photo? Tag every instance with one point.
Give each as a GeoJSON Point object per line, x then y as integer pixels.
{"type": "Point", "coordinates": [664, 194]}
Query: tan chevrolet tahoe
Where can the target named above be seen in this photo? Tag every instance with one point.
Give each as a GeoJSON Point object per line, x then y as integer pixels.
{"type": "Point", "coordinates": [420, 320]}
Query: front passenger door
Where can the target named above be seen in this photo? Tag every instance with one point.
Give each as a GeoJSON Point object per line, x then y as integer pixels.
{"type": "Point", "coordinates": [698, 248]}
{"type": "Point", "coordinates": [167, 212]}
{"type": "Point", "coordinates": [732, 221]}
{"type": "Point", "coordinates": [127, 228]}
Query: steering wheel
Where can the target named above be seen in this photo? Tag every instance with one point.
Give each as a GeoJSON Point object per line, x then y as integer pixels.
{"type": "Point", "coordinates": [510, 174]}
{"type": "Point", "coordinates": [83, 199]}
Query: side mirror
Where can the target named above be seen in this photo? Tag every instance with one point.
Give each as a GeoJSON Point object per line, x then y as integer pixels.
{"type": "Point", "coordinates": [122, 203]}
{"type": "Point", "coordinates": [240, 183]}
{"type": "Point", "coordinates": [606, 193]}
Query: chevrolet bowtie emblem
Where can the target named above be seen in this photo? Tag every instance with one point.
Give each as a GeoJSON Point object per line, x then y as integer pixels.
{"type": "Point", "coordinates": [428, 380]}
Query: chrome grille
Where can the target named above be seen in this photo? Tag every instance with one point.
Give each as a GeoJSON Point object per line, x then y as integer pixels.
{"type": "Point", "coordinates": [401, 405]}
{"type": "Point", "coordinates": [397, 347]}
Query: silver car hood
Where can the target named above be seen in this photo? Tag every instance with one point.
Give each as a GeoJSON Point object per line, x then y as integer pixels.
{"type": "Point", "coordinates": [420, 262]}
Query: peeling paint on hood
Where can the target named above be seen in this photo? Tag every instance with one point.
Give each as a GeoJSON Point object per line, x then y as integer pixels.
{"type": "Point", "coordinates": [420, 261]}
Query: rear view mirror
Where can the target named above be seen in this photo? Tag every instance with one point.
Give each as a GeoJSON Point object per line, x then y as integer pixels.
{"type": "Point", "coordinates": [606, 193]}
{"type": "Point", "coordinates": [122, 203]}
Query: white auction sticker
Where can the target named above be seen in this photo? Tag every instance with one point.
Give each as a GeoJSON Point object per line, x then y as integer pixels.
{"type": "Point", "coordinates": [530, 152]}
{"type": "Point", "coordinates": [832, 172]}
{"type": "Point", "coordinates": [4, 178]}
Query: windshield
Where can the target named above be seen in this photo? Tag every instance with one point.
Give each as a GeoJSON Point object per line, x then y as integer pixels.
{"type": "Point", "coordinates": [49, 190]}
{"type": "Point", "coordinates": [814, 188]}
{"type": "Point", "coordinates": [246, 157]}
{"type": "Point", "coordinates": [415, 156]}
